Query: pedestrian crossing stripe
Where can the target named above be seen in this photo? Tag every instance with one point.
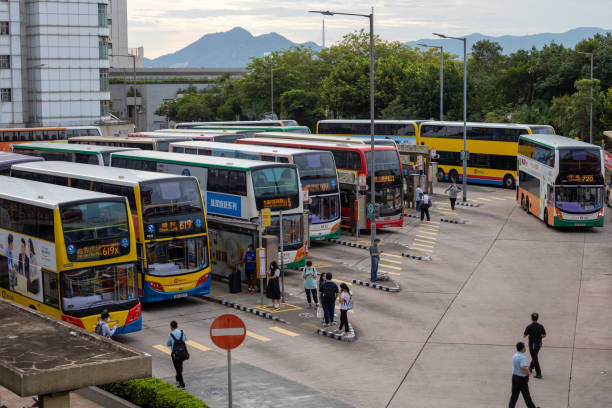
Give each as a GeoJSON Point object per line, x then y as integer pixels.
{"type": "Point", "coordinates": [421, 249]}
{"type": "Point", "coordinates": [257, 336]}
{"type": "Point", "coordinates": [423, 245]}
{"type": "Point", "coordinates": [390, 266]}
{"type": "Point", "coordinates": [422, 240]}
{"type": "Point", "coordinates": [197, 345]}
{"type": "Point", "coordinates": [390, 260]}
{"type": "Point", "coordinates": [425, 232]}
{"type": "Point", "coordinates": [163, 349]}
{"type": "Point", "coordinates": [283, 331]}
{"type": "Point", "coordinates": [428, 228]}
{"type": "Point", "coordinates": [433, 239]}
{"type": "Point", "coordinates": [393, 255]}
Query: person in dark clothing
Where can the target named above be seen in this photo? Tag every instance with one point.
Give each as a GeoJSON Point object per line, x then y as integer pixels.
{"type": "Point", "coordinates": [250, 264]}
{"type": "Point", "coordinates": [520, 377]}
{"type": "Point", "coordinates": [329, 293]}
{"type": "Point", "coordinates": [536, 333]}
{"type": "Point", "coordinates": [176, 334]}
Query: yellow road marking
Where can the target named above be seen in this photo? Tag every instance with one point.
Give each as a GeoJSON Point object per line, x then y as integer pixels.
{"type": "Point", "coordinates": [257, 336]}
{"type": "Point", "coordinates": [428, 228]}
{"type": "Point", "coordinates": [311, 325]}
{"type": "Point", "coordinates": [283, 331]}
{"type": "Point", "coordinates": [390, 266]}
{"type": "Point", "coordinates": [391, 260]}
{"type": "Point", "coordinates": [425, 232]}
{"type": "Point", "coordinates": [389, 272]}
{"type": "Point", "coordinates": [423, 245]}
{"type": "Point", "coordinates": [163, 349]}
{"type": "Point", "coordinates": [484, 199]}
{"type": "Point", "coordinates": [422, 240]}
{"type": "Point", "coordinates": [421, 249]}
{"type": "Point", "coordinates": [341, 281]}
{"type": "Point", "coordinates": [393, 255]}
{"type": "Point", "coordinates": [197, 345]}
{"type": "Point", "coordinates": [496, 198]}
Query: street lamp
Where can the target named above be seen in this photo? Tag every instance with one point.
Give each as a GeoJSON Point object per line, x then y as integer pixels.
{"type": "Point", "coordinates": [372, 173]}
{"type": "Point", "coordinates": [441, 48]}
{"type": "Point", "coordinates": [266, 54]}
{"type": "Point", "coordinates": [591, 117]}
{"type": "Point", "coordinates": [464, 110]}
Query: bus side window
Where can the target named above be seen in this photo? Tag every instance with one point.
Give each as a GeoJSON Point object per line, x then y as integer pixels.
{"type": "Point", "coordinates": [551, 195]}
{"type": "Point", "coordinates": [50, 289]}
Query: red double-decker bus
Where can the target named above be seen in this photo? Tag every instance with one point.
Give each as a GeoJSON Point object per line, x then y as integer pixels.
{"type": "Point", "coordinates": [353, 166]}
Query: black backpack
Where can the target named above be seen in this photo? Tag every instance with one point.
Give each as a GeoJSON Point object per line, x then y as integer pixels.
{"type": "Point", "coordinates": [179, 348]}
{"type": "Point", "coordinates": [329, 291]}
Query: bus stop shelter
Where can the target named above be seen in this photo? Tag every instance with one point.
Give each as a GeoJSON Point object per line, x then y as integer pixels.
{"type": "Point", "coordinates": [40, 355]}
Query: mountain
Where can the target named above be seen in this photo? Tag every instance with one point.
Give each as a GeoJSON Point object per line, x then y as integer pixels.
{"type": "Point", "coordinates": [512, 43]}
{"type": "Point", "coordinates": [233, 48]}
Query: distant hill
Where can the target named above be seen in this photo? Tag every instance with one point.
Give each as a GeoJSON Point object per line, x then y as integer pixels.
{"type": "Point", "coordinates": [233, 48]}
{"type": "Point", "coordinates": [511, 43]}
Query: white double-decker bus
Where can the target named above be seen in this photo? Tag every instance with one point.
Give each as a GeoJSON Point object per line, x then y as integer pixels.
{"type": "Point", "coordinates": [561, 180]}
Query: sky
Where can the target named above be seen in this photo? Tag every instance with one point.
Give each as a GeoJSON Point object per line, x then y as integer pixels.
{"type": "Point", "coordinates": [163, 26]}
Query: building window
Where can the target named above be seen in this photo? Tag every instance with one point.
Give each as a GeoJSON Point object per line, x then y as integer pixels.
{"type": "Point", "coordinates": [4, 28]}
{"type": "Point", "coordinates": [5, 61]}
{"type": "Point", "coordinates": [104, 108]}
{"type": "Point", "coordinates": [102, 15]}
{"type": "Point", "coordinates": [104, 79]}
{"type": "Point", "coordinates": [6, 95]}
{"type": "Point", "coordinates": [103, 43]}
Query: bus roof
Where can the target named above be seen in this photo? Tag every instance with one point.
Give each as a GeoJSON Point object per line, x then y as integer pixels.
{"type": "Point", "coordinates": [201, 161]}
{"type": "Point", "coordinates": [556, 141]}
{"type": "Point", "coordinates": [243, 147]}
{"type": "Point", "coordinates": [46, 195]}
{"type": "Point", "coordinates": [317, 144]}
{"type": "Point", "coordinates": [7, 158]}
{"type": "Point", "coordinates": [112, 175]}
{"type": "Point", "coordinates": [310, 137]}
{"type": "Point", "coordinates": [123, 139]}
{"type": "Point", "coordinates": [478, 124]}
{"type": "Point", "coordinates": [262, 128]}
{"type": "Point", "coordinates": [264, 122]}
{"type": "Point", "coordinates": [390, 121]}
{"type": "Point", "coordinates": [219, 131]}
{"type": "Point", "coordinates": [78, 148]}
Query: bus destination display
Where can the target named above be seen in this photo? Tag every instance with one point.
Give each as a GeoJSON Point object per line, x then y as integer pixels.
{"type": "Point", "coordinates": [581, 178]}
{"type": "Point", "coordinates": [99, 251]}
{"type": "Point", "coordinates": [173, 227]}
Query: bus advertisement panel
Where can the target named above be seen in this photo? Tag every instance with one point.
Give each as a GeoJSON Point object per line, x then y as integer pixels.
{"type": "Point", "coordinates": [228, 250]}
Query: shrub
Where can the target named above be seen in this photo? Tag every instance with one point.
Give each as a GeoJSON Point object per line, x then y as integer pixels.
{"type": "Point", "coordinates": [153, 393]}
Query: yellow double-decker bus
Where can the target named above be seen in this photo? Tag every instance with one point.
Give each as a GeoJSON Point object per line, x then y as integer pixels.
{"type": "Point", "coordinates": [168, 216]}
{"type": "Point", "coordinates": [68, 253]}
{"type": "Point", "coordinates": [492, 149]}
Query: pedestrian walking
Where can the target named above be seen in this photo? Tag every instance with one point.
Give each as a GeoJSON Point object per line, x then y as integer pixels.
{"type": "Point", "coordinates": [329, 293]}
{"type": "Point", "coordinates": [273, 289]}
{"type": "Point", "coordinates": [176, 342]}
{"type": "Point", "coordinates": [346, 304]}
{"type": "Point", "coordinates": [250, 265]}
{"type": "Point", "coordinates": [452, 194]}
{"type": "Point", "coordinates": [536, 333]}
{"type": "Point", "coordinates": [520, 377]}
{"type": "Point", "coordinates": [309, 275]}
{"type": "Point", "coordinates": [375, 259]}
{"type": "Point", "coordinates": [425, 205]}
{"type": "Point", "coordinates": [419, 197]}
{"type": "Point", "coordinates": [102, 327]}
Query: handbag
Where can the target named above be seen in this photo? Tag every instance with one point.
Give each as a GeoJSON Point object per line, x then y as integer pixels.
{"type": "Point", "coordinates": [319, 312]}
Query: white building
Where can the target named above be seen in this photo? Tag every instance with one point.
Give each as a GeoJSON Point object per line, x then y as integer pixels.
{"type": "Point", "coordinates": [53, 62]}
{"type": "Point", "coordinates": [119, 53]}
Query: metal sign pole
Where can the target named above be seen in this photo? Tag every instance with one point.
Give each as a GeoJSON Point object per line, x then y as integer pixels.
{"type": "Point", "coordinates": [356, 209]}
{"type": "Point", "coordinates": [229, 377]}
{"type": "Point", "coordinates": [261, 280]}
{"type": "Point", "coordinates": [282, 255]}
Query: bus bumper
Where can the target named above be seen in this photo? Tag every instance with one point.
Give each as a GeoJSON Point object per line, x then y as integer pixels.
{"type": "Point", "coordinates": [135, 326]}
{"type": "Point", "coordinates": [151, 295]}
{"type": "Point", "coordinates": [599, 222]}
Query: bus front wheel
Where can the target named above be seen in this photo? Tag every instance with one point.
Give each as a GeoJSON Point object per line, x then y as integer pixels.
{"type": "Point", "coordinates": [508, 181]}
{"type": "Point", "coordinates": [440, 175]}
{"type": "Point", "coordinates": [523, 203]}
{"type": "Point", "coordinates": [546, 217]}
{"type": "Point", "coordinates": [453, 176]}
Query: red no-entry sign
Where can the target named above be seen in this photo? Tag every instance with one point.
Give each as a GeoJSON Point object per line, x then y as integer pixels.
{"type": "Point", "coordinates": [227, 331]}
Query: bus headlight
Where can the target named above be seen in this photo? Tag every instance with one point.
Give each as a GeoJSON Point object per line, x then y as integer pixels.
{"type": "Point", "coordinates": [156, 286]}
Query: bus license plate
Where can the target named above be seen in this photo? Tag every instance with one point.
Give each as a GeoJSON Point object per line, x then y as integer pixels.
{"type": "Point", "coordinates": [180, 295]}
{"type": "Point", "coordinates": [580, 224]}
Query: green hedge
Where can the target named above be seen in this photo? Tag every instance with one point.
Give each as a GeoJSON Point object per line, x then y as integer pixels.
{"type": "Point", "coordinates": [153, 393]}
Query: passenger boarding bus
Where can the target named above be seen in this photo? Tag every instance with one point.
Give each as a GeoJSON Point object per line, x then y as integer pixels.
{"type": "Point", "coordinates": [266, 123]}
{"type": "Point", "coordinates": [561, 180]}
{"type": "Point", "coordinates": [161, 144]}
{"type": "Point", "coordinates": [168, 214]}
{"type": "Point", "coordinates": [235, 191]}
{"type": "Point", "coordinates": [401, 131]}
{"type": "Point", "coordinates": [353, 166]}
{"type": "Point", "coordinates": [68, 253]}
{"type": "Point", "coordinates": [8, 159]}
{"type": "Point", "coordinates": [317, 175]}
{"type": "Point", "coordinates": [12, 136]}
{"type": "Point", "coordinates": [326, 138]}
{"type": "Point", "coordinates": [492, 149]}
{"type": "Point", "coordinates": [50, 151]}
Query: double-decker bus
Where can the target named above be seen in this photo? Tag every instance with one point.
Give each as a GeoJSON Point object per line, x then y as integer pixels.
{"type": "Point", "coordinates": [8, 159]}
{"type": "Point", "coordinates": [353, 166]}
{"type": "Point", "coordinates": [87, 154]}
{"type": "Point", "coordinates": [68, 253]}
{"type": "Point", "coordinates": [212, 135]}
{"type": "Point", "coordinates": [235, 190]}
{"type": "Point", "coordinates": [265, 123]}
{"type": "Point", "coordinates": [12, 136]}
{"type": "Point", "coordinates": [317, 171]}
{"type": "Point", "coordinates": [168, 214]}
{"type": "Point", "coordinates": [561, 180]}
{"type": "Point", "coordinates": [400, 131]}
{"type": "Point", "coordinates": [249, 130]}
{"type": "Point", "coordinates": [326, 138]}
{"type": "Point", "coordinates": [161, 144]}
{"type": "Point", "coordinates": [492, 149]}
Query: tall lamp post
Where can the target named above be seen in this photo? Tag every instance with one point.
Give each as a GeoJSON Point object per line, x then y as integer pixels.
{"type": "Point", "coordinates": [372, 167]}
{"type": "Point", "coordinates": [441, 48]}
{"type": "Point", "coordinates": [269, 54]}
{"type": "Point", "coordinates": [591, 117]}
{"type": "Point", "coordinates": [464, 109]}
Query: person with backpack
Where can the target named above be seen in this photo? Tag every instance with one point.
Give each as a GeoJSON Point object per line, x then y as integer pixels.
{"type": "Point", "coordinates": [329, 293]}
{"type": "Point", "coordinates": [425, 205]}
{"type": "Point", "coordinates": [452, 194]}
{"type": "Point", "coordinates": [346, 304]}
{"type": "Point", "coordinates": [102, 327]}
{"type": "Point", "coordinates": [309, 275]}
{"type": "Point", "coordinates": [176, 342]}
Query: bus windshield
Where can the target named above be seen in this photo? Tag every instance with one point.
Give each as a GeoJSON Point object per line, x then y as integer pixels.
{"type": "Point", "coordinates": [95, 230]}
{"type": "Point", "coordinates": [293, 231]}
{"type": "Point", "coordinates": [579, 199]}
{"type": "Point", "coordinates": [276, 182]}
{"type": "Point", "coordinates": [178, 256]}
{"type": "Point", "coordinates": [582, 160]}
{"type": "Point", "coordinates": [97, 288]}
{"type": "Point", "coordinates": [388, 194]}
{"type": "Point", "coordinates": [316, 165]}
{"type": "Point", "coordinates": [172, 200]}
